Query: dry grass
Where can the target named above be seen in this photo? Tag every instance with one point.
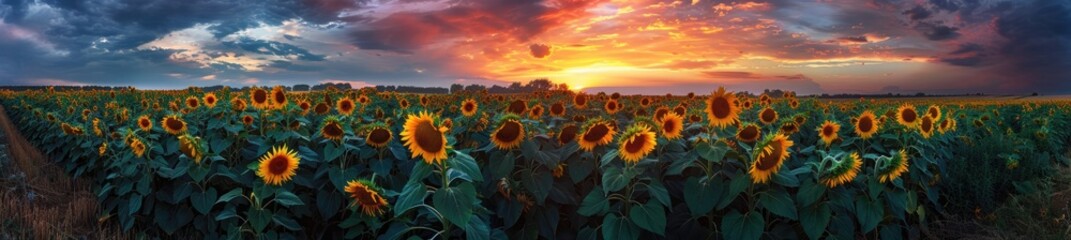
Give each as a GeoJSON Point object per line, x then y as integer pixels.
{"type": "Point", "coordinates": [49, 204]}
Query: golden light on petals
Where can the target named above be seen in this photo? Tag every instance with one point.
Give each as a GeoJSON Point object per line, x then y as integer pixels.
{"type": "Point", "coordinates": [772, 153]}
{"type": "Point", "coordinates": [721, 108]}
{"type": "Point", "coordinates": [423, 138]}
{"type": "Point", "coordinates": [366, 195]}
{"type": "Point", "coordinates": [278, 166]}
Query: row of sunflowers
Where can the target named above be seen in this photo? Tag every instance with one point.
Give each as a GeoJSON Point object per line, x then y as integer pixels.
{"type": "Point", "coordinates": [267, 163]}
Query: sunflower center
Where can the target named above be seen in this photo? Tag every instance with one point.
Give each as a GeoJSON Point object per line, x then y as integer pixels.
{"type": "Point", "coordinates": [321, 108]}
{"type": "Point", "coordinates": [210, 100]}
{"type": "Point", "coordinates": [636, 144]}
{"type": "Point", "coordinates": [866, 124]}
{"type": "Point", "coordinates": [332, 130]}
{"type": "Point", "coordinates": [934, 112]}
{"type": "Point", "coordinates": [379, 135]}
{"type": "Point", "coordinates": [191, 102]}
{"type": "Point", "coordinates": [517, 107]}
{"type": "Point", "coordinates": [260, 96]}
{"type": "Point", "coordinates": [174, 124]}
{"type": "Point", "coordinates": [827, 130]}
{"type": "Point", "coordinates": [280, 97]}
{"type": "Point", "coordinates": [469, 107]}
{"type": "Point", "coordinates": [749, 133]}
{"type": "Point", "coordinates": [580, 100]}
{"type": "Point", "coordinates": [661, 112]}
{"type": "Point", "coordinates": [669, 126]}
{"type": "Point", "coordinates": [144, 122]}
{"type": "Point", "coordinates": [364, 196]}
{"type": "Point", "coordinates": [557, 109]}
{"type": "Point", "coordinates": [770, 160]}
{"type": "Point", "coordinates": [509, 132]}
{"type": "Point", "coordinates": [346, 106]}
{"type": "Point", "coordinates": [927, 124]}
{"type": "Point", "coordinates": [909, 115]}
{"type": "Point", "coordinates": [768, 115]}
{"type": "Point", "coordinates": [596, 132]}
{"type": "Point", "coordinates": [428, 137]}
{"type": "Point", "coordinates": [567, 135]}
{"type": "Point", "coordinates": [720, 107]}
{"type": "Point", "coordinates": [278, 164]}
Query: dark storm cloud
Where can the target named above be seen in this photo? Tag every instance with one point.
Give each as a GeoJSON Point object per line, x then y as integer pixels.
{"type": "Point", "coordinates": [937, 32]}
{"type": "Point", "coordinates": [1038, 49]}
{"type": "Point", "coordinates": [918, 13]}
{"type": "Point", "coordinates": [274, 48]}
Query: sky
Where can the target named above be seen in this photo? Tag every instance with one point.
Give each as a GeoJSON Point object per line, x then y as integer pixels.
{"type": "Point", "coordinates": [631, 46]}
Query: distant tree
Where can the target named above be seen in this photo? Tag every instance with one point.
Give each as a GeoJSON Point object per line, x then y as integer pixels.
{"type": "Point", "coordinates": [301, 87]}
{"type": "Point", "coordinates": [455, 88]}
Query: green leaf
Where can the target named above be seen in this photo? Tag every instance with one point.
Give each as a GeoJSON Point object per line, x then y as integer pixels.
{"type": "Point", "coordinates": [810, 192]}
{"type": "Point", "coordinates": [203, 201]}
{"type": "Point", "coordinates": [413, 194]}
{"type": "Point", "coordinates": [713, 152]}
{"type": "Point", "coordinates": [869, 213]}
{"type": "Point", "coordinates": [477, 229]}
{"type": "Point", "coordinates": [659, 193]}
{"type": "Point", "coordinates": [134, 203]}
{"type": "Point", "coordinates": [230, 195]}
{"type": "Point", "coordinates": [227, 213]}
{"type": "Point", "coordinates": [650, 216]}
{"type": "Point", "coordinates": [501, 165]}
{"type": "Point", "coordinates": [287, 198]}
{"type": "Point", "coordinates": [615, 178]}
{"type": "Point", "coordinates": [678, 166]}
{"type": "Point", "coordinates": [539, 185]}
{"type": "Point", "coordinates": [608, 158]}
{"type": "Point", "coordinates": [891, 232]}
{"type": "Point", "coordinates": [331, 152]}
{"type": "Point", "coordinates": [778, 202]}
{"type": "Point", "coordinates": [595, 203]}
{"type": "Point", "coordinates": [815, 219]}
{"type": "Point", "coordinates": [699, 197]}
{"type": "Point", "coordinates": [737, 185]}
{"type": "Point", "coordinates": [739, 226]}
{"type": "Point", "coordinates": [286, 222]}
{"type": "Point", "coordinates": [614, 227]}
{"type": "Point", "coordinates": [455, 203]}
{"type": "Point", "coordinates": [328, 203]}
{"type": "Point", "coordinates": [258, 219]}
{"type": "Point", "coordinates": [466, 164]}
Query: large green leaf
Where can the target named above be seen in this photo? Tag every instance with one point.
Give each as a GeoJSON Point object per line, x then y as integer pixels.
{"type": "Point", "coordinates": [614, 227]}
{"type": "Point", "coordinates": [455, 203]}
{"type": "Point", "coordinates": [595, 203]}
{"type": "Point", "coordinates": [466, 164]}
{"type": "Point", "coordinates": [700, 197]}
{"type": "Point", "coordinates": [659, 193]}
{"type": "Point", "coordinates": [615, 178]}
{"type": "Point", "coordinates": [869, 212]}
{"type": "Point", "coordinates": [287, 198]}
{"type": "Point", "coordinates": [203, 201]}
{"type": "Point", "coordinates": [713, 152]}
{"type": "Point", "coordinates": [815, 219]}
{"type": "Point", "coordinates": [412, 195]}
{"type": "Point", "coordinates": [477, 229]}
{"type": "Point", "coordinates": [810, 192]}
{"type": "Point", "coordinates": [650, 216]}
{"type": "Point", "coordinates": [778, 202]}
{"type": "Point", "coordinates": [736, 226]}
{"type": "Point", "coordinates": [258, 218]}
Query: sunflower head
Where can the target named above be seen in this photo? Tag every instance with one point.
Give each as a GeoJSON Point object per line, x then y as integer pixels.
{"type": "Point", "coordinates": [749, 133]}
{"type": "Point", "coordinates": [173, 124]}
{"type": "Point", "coordinates": [661, 112]}
{"type": "Point", "coordinates": [332, 129]}
{"type": "Point", "coordinates": [469, 107]}
{"type": "Point", "coordinates": [934, 112]}
{"type": "Point", "coordinates": [767, 116]}
{"type": "Point", "coordinates": [636, 142]}
{"type": "Point", "coordinates": [926, 126]}
{"type": "Point", "coordinates": [671, 125]}
{"type": "Point", "coordinates": [722, 109]}
{"type": "Point", "coordinates": [509, 134]}
{"type": "Point", "coordinates": [259, 98]}
{"type": "Point", "coordinates": [580, 101]}
{"type": "Point", "coordinates": [238, 104]}
{"type": "Point", "coordinates": [840, 169]}
{"type": "Point", "coordinates": [828, 131]}
{"type": "Point", "coordinates": [305, 106]}
{"type": "Point", "coordinates": [891, 167]}
{"type": "Point", "coordinates": [192, 102]}
{"type": "Point", "coordinates": [596, 133]}
{"type": "Point", "coordinates": [278, 97]}
{"type": "Point", "coordinates": [907, 116]}
{"type": "Point", "coordinates": [247, 120]}
{"type": "Point", "coordinates": [144, 123]}
{"type": "Point", "coordinates": [136, 146]}
{"type": "Point", "coordinates": [866, 125]}
{"type": "Point", "coordinates": [568, 134]}
{"type": "Point", "coordinates": [557, 109]}
{"type": "Point", "coordinates": [771, 154]}
{"type": "Point", "coordinates": [366, 195]}
{"type": "Point", "coordinates": [210, 100]}
{"type": "Point", "coordinates": [424, 138]}
{"type": "Point", "coordinates": [345, 106]}
{"type": "Point", "coordinates": [379, 135]}
{"type": "Point", "coordinates": [278, 166]}
{"type": "Point", "coordinates": [536, 112]}
{"type": "Point", "coordinates": [192, 147]}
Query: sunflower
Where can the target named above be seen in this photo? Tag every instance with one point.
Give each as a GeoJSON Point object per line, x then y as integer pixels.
{"type": "Point", "coordinates": [509, 134]}
{"type": "Point", "coordinates": [934, 111]}
{"type": "Point", "coordinates": [259, 97]}
{"type": "Point", "coordinates": [137, 147]}
{"type": "Point", "coordinates": [891, 167]}
{"type": "Point", "coordinates": [866, 125]}
{"type": "Point", "coordinates": [536, 112]}
{"type": "Point", "coordinates": [278, 166]}
{"type": "Point", "coordinates": [469, 107]}
{"type": "Point", "coordinates": [926, 126]}
{"type": "Point", "coordinates": [363, 99]}
{"type": "Point", "coordinates": [210, 100]}
{"type": "Point", "coordinates": [793, 103]}
{"type": "Point", "coordinates": [681, 109]}
{"type": "Point", "coordinates": [404, 103]}
{"type": "Point", "coordinates": [278, 97]}
{"type": "Point", "coordinates": [841, 171]}
{"type": "Point", "coordinates": [596, 134]}
{"type": "Point", "coordinates": [191, 146]}
{"type": "Point", "coordinates": [828, 131]}
{"type": "Point", "coordinates": [568, 134]}
{"type": "Point", "coordinates": [771, 155]}
{"type": "Point", "coordinates": [767, 116]}
{"type": "Point", "coordinates": [379, 136]}
{"type": "Point", "coordinates": [423, 138]}
{"type": "Point", "coordinates": [580, 101]}
{"type": "Point", "coordinates": [238, 104]}
{"type": "Point", "coordinates": [102, 149]}
{"type": "Point", "coordinates": [636, 143]}
{"type": "Point", "coordinates": [332, 129]}
{"type": "Point", "coordinates": [660, 112]}
{"type": "Point", "coordinates": [305, 106]}
{"type": "Point", "coordinates": [173, 124]}
{"type": "Point", "coordinates": [948, 124]}
{"type": "Point", "coordinates": [907, 116]}
{"type": "Point", "coordinates": [424, 101]}
{"type": "Point", "coordinates": [321, 108]}
{"type": "Point", "coordinates": [192, 102]}
{"type": "Point", "coordinates": [559, 170]}
{"type": "Point", "coordinates": [144, 123]}
{"type": "Point", "coordinates": [366, 195]}
{"type": "Point", "coordinates": [721, 108]}
{"type": "Point", "coordinates": [345, 106]}
{"type": "Point", "coordinates": [672, 125]}
{"type": "Point", "coordinates": [749, 133]}
{"type": "Point", "coordinates": [612, 106]}
{"type": "Point", "coordinates": [247, 120]}
{"type": "Point", "coordinates": [789, 128]}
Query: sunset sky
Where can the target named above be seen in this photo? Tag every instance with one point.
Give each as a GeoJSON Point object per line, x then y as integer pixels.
{"type": "Point", "coordinates": [642, 46]}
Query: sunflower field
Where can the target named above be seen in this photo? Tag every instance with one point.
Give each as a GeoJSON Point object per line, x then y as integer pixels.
{"type": "Point", "coordinates": [265, 163]}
